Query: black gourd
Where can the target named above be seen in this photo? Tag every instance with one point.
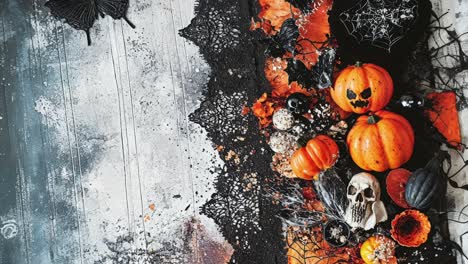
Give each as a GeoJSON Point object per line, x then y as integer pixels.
{"type": "Point", "coordinates": [424, 184]}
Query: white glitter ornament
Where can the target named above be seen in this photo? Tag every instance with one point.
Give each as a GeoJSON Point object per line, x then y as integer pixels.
{"type": "Point", "coordinates": [281, 142]}
{"type": "Point", "coordinates": [283, 119]}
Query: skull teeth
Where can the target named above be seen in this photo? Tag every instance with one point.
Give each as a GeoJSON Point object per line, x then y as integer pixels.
{"type": "Point", "coordinates": [358, 213]}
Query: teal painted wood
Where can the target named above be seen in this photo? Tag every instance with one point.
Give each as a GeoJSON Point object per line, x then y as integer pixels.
{"type": "Point", "coordinates": [47, 216]}
{"type": "Point", "coordinates": [10, 208]}
{"type": "Point", "coordinates": [93, 137]}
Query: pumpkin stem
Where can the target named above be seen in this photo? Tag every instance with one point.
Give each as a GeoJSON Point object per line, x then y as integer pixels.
{"type": "Point", "coordinates": [373, 119]}
{"type": "Point", "coordinates": [358, 64]}
{"type": "Point", "coordinates": [436, 162]}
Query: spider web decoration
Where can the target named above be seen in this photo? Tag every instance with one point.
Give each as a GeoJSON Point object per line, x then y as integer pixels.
{"type": "Point", "coordinates": [381, 23]}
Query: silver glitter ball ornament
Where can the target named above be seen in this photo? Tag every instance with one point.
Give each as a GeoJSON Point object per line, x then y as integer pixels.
{"type": "Point", "coordinates": [283, 119]}
{"type": "Point", "coordinates": [282, 142]}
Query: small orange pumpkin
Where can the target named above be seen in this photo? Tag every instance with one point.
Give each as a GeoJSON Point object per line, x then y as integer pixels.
{"type": "Point", "coordinates": [361, 88]}
{"type": "Point", "coordinates": [320, 153]}
{"type": "Point", "coordinates": [381, 141]}
{"type": "Point", "coordinates": [378, 250]}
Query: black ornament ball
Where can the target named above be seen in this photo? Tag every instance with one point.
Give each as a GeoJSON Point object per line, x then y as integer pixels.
{"type": "Point", "coordinates": [297, 103]}
{"type": "Point", "coordinates": [411, 101]}
{"type": "Point", "coordinates": [336, 233]}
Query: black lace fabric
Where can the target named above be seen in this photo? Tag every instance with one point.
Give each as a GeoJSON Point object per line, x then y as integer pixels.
{"type": "Point", "coordinates": [241, 206]}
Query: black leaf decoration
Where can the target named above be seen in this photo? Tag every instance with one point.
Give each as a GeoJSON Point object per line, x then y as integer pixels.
{"type": "Point", "coordinates": [320, 76]}
{"type": "Point", "coordinates": [285, 40]}
{"type": "Point", "coordinates": [81, 14]}
{"type": "Point", "coordinates": [298, 72]}
{"type": "Point", "coordinates": [322, 72]}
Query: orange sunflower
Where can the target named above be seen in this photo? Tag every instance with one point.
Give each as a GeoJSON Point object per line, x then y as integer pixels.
{"type": "Point", "coordinates": [410, 228]}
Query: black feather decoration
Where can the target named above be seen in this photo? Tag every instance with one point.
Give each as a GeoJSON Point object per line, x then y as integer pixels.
{"type": "Point", "coordinates": [285, 40]}
{"type": "Point", "coordinates": [298, 72]}
{"type": "Point", "coordinates": [320, 76]}
{"type": "Point", "coordinates": [331, 191]}
{"type": "Point", "coordinates": [322, 72]}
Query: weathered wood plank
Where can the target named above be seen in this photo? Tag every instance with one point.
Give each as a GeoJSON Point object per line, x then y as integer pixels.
{"type": "Point", "coordinates": [111, 138]}
{"type": "Point", "coordinates": [457, 19]}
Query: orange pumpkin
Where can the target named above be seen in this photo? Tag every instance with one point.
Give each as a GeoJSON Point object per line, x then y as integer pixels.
{"type": "Point", "coordinates": [378, 250]}
{"type": "Point", "coordinates": [320, 153]}
{"type": "Point", "coordinates": [381, 141]}
{"type": "Point", "coordinates": [361, 88]}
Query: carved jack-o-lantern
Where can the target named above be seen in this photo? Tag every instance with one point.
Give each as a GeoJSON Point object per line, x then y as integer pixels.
{"type": "Point", "coordinates": [362, 87]}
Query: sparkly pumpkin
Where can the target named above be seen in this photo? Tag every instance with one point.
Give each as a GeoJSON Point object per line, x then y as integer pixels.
{"type": "Point", "coordinates": [361, 88]}
{"type": "Point", "coordinates": [320, 153]}
{"type": "Point", "coordinates": [381, 141]}
{"type": "Point", "coordinates": [378, 250]}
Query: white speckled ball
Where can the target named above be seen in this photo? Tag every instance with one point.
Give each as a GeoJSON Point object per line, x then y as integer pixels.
{"type": "Point", "coordinates": [281, 142]}
{"type": "Point", "coordinates": [283, 119]}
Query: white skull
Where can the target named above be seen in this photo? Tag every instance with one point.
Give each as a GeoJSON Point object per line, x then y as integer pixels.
{"type": "Point", "coordinates": [365, 209]}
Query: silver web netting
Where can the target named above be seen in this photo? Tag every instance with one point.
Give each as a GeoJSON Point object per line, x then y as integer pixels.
{"type": "Point", "coordinates": [382, 23]}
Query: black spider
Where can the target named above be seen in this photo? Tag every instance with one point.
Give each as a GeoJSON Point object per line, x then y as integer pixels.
{"type": "Point", "coordinates": [81, 14]}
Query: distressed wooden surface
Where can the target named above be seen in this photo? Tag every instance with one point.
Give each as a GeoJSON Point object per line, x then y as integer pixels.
{"type": "Point", "coordinates": [96, 142]}
{"type": "Point", "coordinates": [96, 146]}
{"type": "Point", "coordinates": [457, 18]}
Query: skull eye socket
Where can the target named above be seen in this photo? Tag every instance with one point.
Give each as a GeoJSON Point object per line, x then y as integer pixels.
{"type": "Point", "coordinates": [352, 190]}
{"type": "Point", "coordinates": [350, 94]}
{"type": "Point", "coordinates": [366, 94]}
{"type": "Point", "coordinates": [369, 193]}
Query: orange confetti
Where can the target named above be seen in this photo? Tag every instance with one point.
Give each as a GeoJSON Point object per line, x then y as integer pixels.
{"type": "Point", "coordinates": [313, 29]}
{"type": "Point", "coordinates": [273, 14]}
{"type": "Point", "coordinates": [263, 109]}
